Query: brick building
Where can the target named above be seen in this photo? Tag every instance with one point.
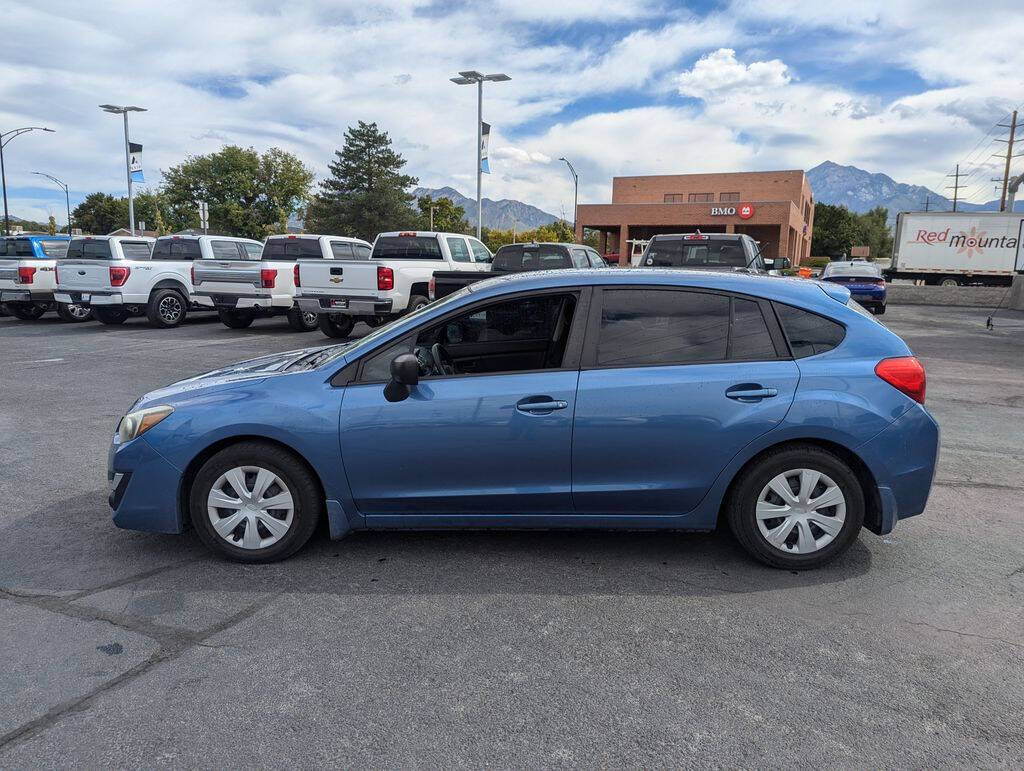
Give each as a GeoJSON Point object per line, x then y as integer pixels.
{"type": "Point", "coordinates": [773, 207]}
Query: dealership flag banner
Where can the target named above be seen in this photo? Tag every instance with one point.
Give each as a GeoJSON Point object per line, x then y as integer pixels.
{"type": "Point", "coordinates": [135, 165]}
{"type": "Point", "coordinates": [485, 135]}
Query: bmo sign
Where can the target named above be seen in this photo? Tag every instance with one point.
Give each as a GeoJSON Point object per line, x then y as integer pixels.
{"type": "Point", "coordinates": [745, 211]}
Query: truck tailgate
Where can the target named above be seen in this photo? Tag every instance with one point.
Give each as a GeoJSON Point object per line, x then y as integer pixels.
{"type": "Point", "coordinates": [338, 278]}
{"type": "Point", "coordinates": [8, 273]}
{"type": "Point", "coordinates": [79, 275]}
{"type": "Point", "coordinates": [228, 277]}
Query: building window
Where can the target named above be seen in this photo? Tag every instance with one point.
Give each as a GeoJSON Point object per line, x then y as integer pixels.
{"type": "Point", "coordinates": [675, 197]}
{"type": "Point", "coordinates": [701, 197]}
{"type": "Point", "coordinates": [728, 196]}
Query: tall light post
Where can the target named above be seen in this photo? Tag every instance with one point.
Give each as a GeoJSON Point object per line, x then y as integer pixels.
{"type": "Point", "coordinates": [67, 196]}
{"type": "Point", "coordinates": [576, 192]}
{"type": "Point", "coordinates": [6, 137]}
{"type": "Point", "coordinates": [466, 78]}
{"type": "Point", "coordinates": [127, 155]}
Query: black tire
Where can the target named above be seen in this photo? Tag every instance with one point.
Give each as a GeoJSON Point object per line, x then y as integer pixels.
{"type": "Point", "coordinates": [336, 324]}
{"type": "Point", "coordinates": [949, 281]}
{"type": "Point", "coordinates": [74, 313]}
{"type": "Point", "coordinates": [879, 310]}
{"type": "Point", "coordinates": [416, 302]}
{"type": "Point", "coordinates": [741, 505]}
{"type": "Point", "coordinates": [166, 308]}
{"type": "Point", "coordinates": [308, 504]}
{"type": "Point", "coordinates": [235, 319]}
{"type": "Point", "coordinates": [302, 321]}
{"type": "Point", "coordinates": [26, 311]}
{"type": "Point", "coordinates": [112, 315]}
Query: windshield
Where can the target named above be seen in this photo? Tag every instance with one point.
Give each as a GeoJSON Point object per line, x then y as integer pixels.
{"type": "Point", "coordinates": [54, 248]}
{"type": "Point", "coordinates": [291, 248]}
{"type": "Point", "coordinates": [693, 253]}
{"type": "Point", "coordinates": [88, 249]}
{"type": "Point", "coordinates": [851, 269]}
{"type": "Point", "coordinates": [407, 248]}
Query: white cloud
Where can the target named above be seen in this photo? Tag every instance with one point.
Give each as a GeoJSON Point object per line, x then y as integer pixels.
{"type": "Point", "coordinates": [719, 74]}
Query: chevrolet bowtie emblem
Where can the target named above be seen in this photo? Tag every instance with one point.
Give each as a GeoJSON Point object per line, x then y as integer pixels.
{"type": "Point", "coordinates": [336, 279]}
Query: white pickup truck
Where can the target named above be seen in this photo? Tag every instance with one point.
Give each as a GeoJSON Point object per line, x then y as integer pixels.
{"type": "Point", "coordinates": [27, 274]}
{"type": "Point", "coordinates": [127, 278]}
{"type": "Point", "coordinates": [395, 279]}
{"type": "Point", "coordinates": [241, 290]}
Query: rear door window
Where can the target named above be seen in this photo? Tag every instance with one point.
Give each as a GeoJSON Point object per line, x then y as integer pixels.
{"type": "Point", "coordinates": [750, 338]}
{"type": "Point", "coordinates": [291, 249]}
{"type": "Point", "coordinates": [459, 249]}
{"type": "Point", "coordinates": [136, 250]}
{"type": "Point", "coordinates": [83, 249]}
{"type": "Point", "coordinates": [177, 249]}
{"type": "Point", "coordinates": [362, 251]}
{"type": "Point", "coordinates": [580, 258]}
{"type": "Point", "coordinates": [341, 250]}
{"type": "Point", "coordinates": [252, 251]}
{"type": "Point", "coordinates": [808, 333]}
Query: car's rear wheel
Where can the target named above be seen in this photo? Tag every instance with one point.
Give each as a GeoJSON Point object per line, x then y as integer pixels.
{"type": "Point", "coordinates": [949, 281]}
{"type": "Point", "coordinates": [302, 321]}
{"type": "Point", "coordinates": [254, 502]}
{"type": "Point", "coordinates": [796, 508]}
{"type": "Point", "coordinates": [111, 315]}
{"type": "Point", "coordinates": [166, 308]}
{"type": "Point", "coordinates": [879, 310]}
{"type": "Point", "coordinates": [73, 313]}
{"type": "Point", "coordinates": [26, 311]}
{"type": "Point", "coordinates": [235, 319]}
{"type": "Point", "coordinates": [336, 324]}
{"type": "Point", "coordinates": [416, 302]}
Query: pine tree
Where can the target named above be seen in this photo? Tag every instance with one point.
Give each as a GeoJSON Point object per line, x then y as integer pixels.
{"type": "Point", "coordinates": [52, 225]}
{"type": "Point", "coordinates": [366, 193]}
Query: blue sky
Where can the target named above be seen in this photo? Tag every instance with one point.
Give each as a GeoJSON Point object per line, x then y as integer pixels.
{"type": "Point", "coordinates": [905, 87]}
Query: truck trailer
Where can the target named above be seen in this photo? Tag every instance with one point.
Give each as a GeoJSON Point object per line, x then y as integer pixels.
{"type": "Point", "coordinates": [957, 248]}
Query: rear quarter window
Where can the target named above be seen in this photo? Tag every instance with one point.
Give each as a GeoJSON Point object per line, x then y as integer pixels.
{"type": "Point", "coordinates": [808, 333]}
{"type": "Point", "coordinates": [136, 250]}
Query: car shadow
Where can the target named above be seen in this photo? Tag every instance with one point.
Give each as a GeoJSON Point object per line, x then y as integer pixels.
{"type": "Point", "coordinates": [73, 547]}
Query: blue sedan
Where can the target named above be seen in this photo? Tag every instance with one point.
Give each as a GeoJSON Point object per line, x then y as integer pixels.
{"type": "Point", "coordinates": [864, 280]}
{"type": "Point", "coordinates": [774, 404]}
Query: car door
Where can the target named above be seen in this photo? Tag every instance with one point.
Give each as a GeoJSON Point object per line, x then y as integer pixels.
{"type": "Point", "coordinates": [491, 437]}
{"type": "Point", "coordinates": [674, 383]}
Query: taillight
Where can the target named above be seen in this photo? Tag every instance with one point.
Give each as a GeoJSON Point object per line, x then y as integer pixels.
{"type": "Point", "coordinates": [295, 273]}
{"type": "Point", "coordinates": [385, 278]}
{"type": "Point", "coordinates": [268, 278]}
{"type": "Point", "coordinates": [119, 274]}
{"type": "Point", "coordinates": [904, 373]}
{"type": "Point", "coordinates": [26, 275]}
{"type": "Point", "coordinates": [56, 280]}
{"type": "Point", "coordinates": [192, 275]}
{"type": "Point", "coordinates": [432, 288]}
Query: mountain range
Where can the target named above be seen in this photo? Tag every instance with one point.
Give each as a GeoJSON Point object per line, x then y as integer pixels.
{"type": "Point", "coordinates": [505, 214]}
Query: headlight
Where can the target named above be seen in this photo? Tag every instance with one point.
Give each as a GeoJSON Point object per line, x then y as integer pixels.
{"type": "Point", "coordinates": [139, 422]}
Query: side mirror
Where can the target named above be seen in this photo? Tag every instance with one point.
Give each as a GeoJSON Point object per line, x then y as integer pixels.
{"type": "Point", "coordinates": [769, 263]}
{"type": "Point", "coordinates": [782, 263]}
{"type": "Point", "coordinates": [405, 373]}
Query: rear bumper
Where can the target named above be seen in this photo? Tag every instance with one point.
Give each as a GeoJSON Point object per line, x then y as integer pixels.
{"type": "Point", "coordinates": [24, 296]}
{"type": "Point", "coordinates": [101, 297]}
{"type": "Point", "coordinates": [902, 459]}
{"type": "Point", "coordinates": [353, 306]}
{"type": "Point", "coordinates": [873, 296]}
{"type": "Point", "coordinates": [144, 488]}
{"type": "Point", "coordinates": [239, 301]}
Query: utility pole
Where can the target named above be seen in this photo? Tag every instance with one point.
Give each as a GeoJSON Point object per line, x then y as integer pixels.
{"type": "Point", "coordinates": [1009, 154]}
{"type": "Point", "coordinates": [955, 187]}
{"type": "Point", "coordinates": [927, 202]}
{"type": "Point", "coordinates": [432, 218]}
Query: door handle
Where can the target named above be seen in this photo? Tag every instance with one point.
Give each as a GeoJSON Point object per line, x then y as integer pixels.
{"type": "Point", "coordinates": [540, 405]}
{"type": "Point", "coordinates": [751, 392]}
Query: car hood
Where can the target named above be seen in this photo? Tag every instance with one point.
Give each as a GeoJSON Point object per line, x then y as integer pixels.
{"type": "Point", "coordinates": [272, 365]}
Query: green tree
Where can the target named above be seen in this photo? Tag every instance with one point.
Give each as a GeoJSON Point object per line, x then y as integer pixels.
{"type": "Point", "coordinates": [52, 225]}
{"type": "Point", "coordinates": [366, 192]}
{"type": "Point", "coordinates": [834, 230]}
{"type": "Point", "coordinates": [100, 213]}
{"type": "Point", "coordinates": [871, 229]}
{"type": "Point", "coordinates": [448, 218]}
{"type": "Point", "coordinates": [249, 194]}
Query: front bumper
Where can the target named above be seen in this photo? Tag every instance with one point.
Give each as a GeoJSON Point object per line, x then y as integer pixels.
{"type": "Point", "coordinates": [144, 488]}
{"type": "Point", "coordinates": [352, 306]}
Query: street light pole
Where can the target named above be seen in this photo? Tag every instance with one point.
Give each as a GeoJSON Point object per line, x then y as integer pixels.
{"type": "Point", "coordinates": [576, 193]}
{"type": "Point", "coordinates": [116, 109]}
{"type": "Point", "coordinates": [67, 195]}
{"type": "Point", "coordinates": [465, 78]}
{"type": "Point", "coordinates": [5, 138]}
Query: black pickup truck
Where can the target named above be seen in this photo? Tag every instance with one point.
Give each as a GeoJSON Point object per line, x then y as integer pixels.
{"type": "Point", "coordinates": [517, 258]}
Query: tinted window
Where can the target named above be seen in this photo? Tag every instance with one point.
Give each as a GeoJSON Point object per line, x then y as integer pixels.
{"type": "Point", "coordinates": [480, 252]}
{"type": "Point", "coordinates": [407, 248]}
{"type": "Point", "coordinates": [341, 250]}
{"type": "Point", "coordinates": [362, 251]}
{"type": "Point", "coordinates": [459, 250]}
{"type": "Point", "coordinates": [225, 250]}
{"type": "Point", "coordinates": [750, 338]}
{"type": "Point", "coordinates": [136, 250]}
{"type": "Point", "coordinates": [4, 244]}
{"type": "Point", "coordinates": [650, 326]}
{"type": "Point", "coordinates": [694, 253]}
{"type": "Point", "coordinates": [508, 258]}
{"type": "Point", "coordinates": [808, 332]}
{"type": "Point", "coordinates": [84, 249]}
{"type": "Point", "coordinates": [176, 249]}
{"type": "Point", "coordinates": [54, 248]}
{"type": "Point", "coordinates": [23, 248]}
{"type": "Point", "coordinates": [288, 249]}
{"type": "Point", "coordinates": [580, 259]}
{"type": "Point", "coordinates": [253, 251]}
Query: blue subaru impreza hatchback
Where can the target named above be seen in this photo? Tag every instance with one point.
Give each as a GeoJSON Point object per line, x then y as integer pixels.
{"type": "Point", "coordinates": [775, 404]}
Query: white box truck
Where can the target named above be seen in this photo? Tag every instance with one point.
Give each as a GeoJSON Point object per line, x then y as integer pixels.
{"type": "Point", "coordinates": [958, 248]}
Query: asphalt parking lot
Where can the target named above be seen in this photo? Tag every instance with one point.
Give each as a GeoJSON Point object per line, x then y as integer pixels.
{"type": "Point", "coordinates": [505, 649]}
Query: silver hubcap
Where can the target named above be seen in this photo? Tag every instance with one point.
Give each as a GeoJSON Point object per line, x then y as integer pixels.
{"type": "Point", "coordinates": [801, 511]}
{"type": "Point", "coordinates": [170, 309]}
{"type": "Point", "coordinates": [310, 319]}
{"type": "Point", "coordinates": [250, 507]}
{"type": "Point", "coordinates": [78, 311]}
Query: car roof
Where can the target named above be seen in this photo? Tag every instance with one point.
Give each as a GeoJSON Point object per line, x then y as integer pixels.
{"type": "Point", "coordinates": [39, 237]}
{"type": "Point", "coordinates": [293, 236]}
{"type": "Point", "coordinates": [543, 243]}
{"type": "Point", "coordinates": [698, 233]}
{"type": "Point", "coordinates": [113, 238]}
{"type": "Point", "coordinates": [425, 233]}
{"type": "Point", "coordinates": [804, 292]}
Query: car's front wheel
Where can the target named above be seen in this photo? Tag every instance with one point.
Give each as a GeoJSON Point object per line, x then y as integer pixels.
{"type": "Point", "coordinates": [796, 508]}
{"type": "Point", "coordinates": [255, 502]}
